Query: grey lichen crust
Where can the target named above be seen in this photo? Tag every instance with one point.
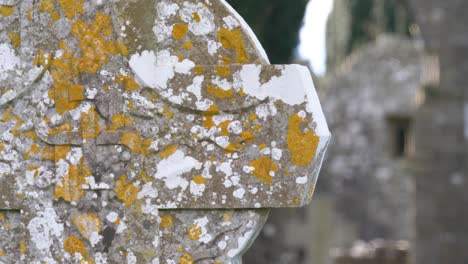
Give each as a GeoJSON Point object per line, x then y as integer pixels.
{"type": "Point", "coordinates": [120, 118]}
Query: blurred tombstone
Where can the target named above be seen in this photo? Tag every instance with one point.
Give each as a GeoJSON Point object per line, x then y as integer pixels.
{"type": "Point", "coordinates": [375, 252]}
{"type": "Point", "coordinates": [146, 131]}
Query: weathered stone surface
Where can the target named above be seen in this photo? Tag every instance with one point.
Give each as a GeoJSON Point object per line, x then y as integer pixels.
{"type": "Point", "coordinates": [113, 111]}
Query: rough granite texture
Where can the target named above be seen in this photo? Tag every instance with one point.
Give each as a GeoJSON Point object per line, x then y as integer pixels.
{"type": "Point", "coordinates": [138, 132]}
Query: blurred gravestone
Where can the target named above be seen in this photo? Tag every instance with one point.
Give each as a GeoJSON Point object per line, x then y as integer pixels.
{"type": "Point", "coordinates": [146, 131]}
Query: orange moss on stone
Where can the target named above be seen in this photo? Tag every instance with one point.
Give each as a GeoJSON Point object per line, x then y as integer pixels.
{"type": "Point", "coordinates": [126, 192]}
{"type": "Point", "coordinates": [74, 245]}
{"type": "Point", "coordinates": [262, 169]}
{"type": "Point", "coordinates": [303, 146]}
{"type": "Point", "coordinates": [179, 31]}
{"type": "Point", "coordinates": [233, 39]}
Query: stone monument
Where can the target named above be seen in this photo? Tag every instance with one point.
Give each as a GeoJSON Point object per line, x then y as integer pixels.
{"type": "Point", "coordinates": [146, 131]}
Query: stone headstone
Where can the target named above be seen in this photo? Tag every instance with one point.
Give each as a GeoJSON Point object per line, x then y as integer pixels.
{"type": "Point", "coordinates": [146, 131]}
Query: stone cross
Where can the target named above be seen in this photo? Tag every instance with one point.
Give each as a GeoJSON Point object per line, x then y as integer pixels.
{"type": "Point", "coordinates": [146, 131]}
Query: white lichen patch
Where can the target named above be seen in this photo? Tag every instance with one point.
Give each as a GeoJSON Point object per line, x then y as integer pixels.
{"type": "Point", "coordinates": [45, 229]}
{"type": "Point", "coordinates": [8, 60]}
{"type": "Point", "coordinates": [171, 170]}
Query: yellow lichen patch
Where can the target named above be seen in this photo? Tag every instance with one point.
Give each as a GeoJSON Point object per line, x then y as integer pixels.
{"type": "Point", "coordinates": [87, 261]}
{"type": "Point", "coordinates": [257, 128]}
{"type": "Point", "coordinates": [262, 169]}
{"type": "Point", "coordinates": [302, 146]}
{"type": "Point", "coordinates": [46, 6]}
{"type": "Point", "coordinates": [29, 14]}
{"type": "Point", "coordinates": [212, 110]}
{"type": "Point", "coordinates": [196, 17]}
{"type": "Point", "coordinates": [34, 149]}
{"type": "Point", "coordinates": [186, 259]}
{"type": "Point", "coordinates": [227, 217]}
{"type": "Point", "coordinates": [55, 16]}
{"type": "Point", "coordinates": [74, 245]}
{"type": "Point", "coordinates": [311, 192]}
{"type": "Point", "coordinates": [6, 10]}
{"type": "Point", "coordinates": [87, 224]}
{"type": "Point", "coordinates": [128, 83]}
{"type": "Point", "coordinates": [118, 121]}
{"type": "Point", "coordinates": [262, 146]}
{"type": "Point", "coordinates": [220, 92]}
{"type": "Point", "coordinates": [180, 249]}
{"type": "Point", "coordinates": [167, 113]}
{"type": "Point", "coordinates": [64, 70]}
{"type": "Point", "coordinates": [61, 152]}
{"type": "Point", "coordinates": [297, 201]}
{"type": "Point", "coordinates": [230, 148]}
{"type": "Point", "coordinates": [94, 47]}
{"type": "Point", "coordinates": [224, 127]}
{"type": "Point", "coordinates": [247, 136]}
{"type": "Point", "coordinates": [223, 71]}
{"type": "Point", "coordinates": [89, 124]}
{"type": "Point", "coordinates": [132, 141]}
{"type": "Point", "coordinates": [166, 222]}
{"type": "Point", "coordinates": [194, 232]}
{"type": "Point", "coordinates": [2, 253]}
{"type": "Point", "coordinates": [253, 117]}
{"type": "Point", "coordinates": [23, 249]}
{"type": "Point", "coordinates": [1, 146]}
{"type": "Point", "coordinates": [14, 38]}
{"type": "Point", "coordinates": [70, 188]}
{"type": "Point", "coordinates": [166, 153]}
{"type": "Point", "coordinates": [72, 7]}
{"type": "Point", "coordinates": [48, 153]}
{"type": "Point", "coordinates": [234, 40]}
{"type": "Point", "coordinates": [187, 45]}
{"type": "Point", "coordinates": [2, 217]}
{"type": "Point", "coordinates": [65, 127]}
{"type": "Point", "coordinates": [199, 69]}
{"type": "Point", "coordinates": [179, 31]}
{"type": "Point", "coordinates": [126, 192]}
{"type": "Point", "coordinates": [199, 179]}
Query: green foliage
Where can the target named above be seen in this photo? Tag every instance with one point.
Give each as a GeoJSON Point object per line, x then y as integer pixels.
{"type": "Point", "coordinates": [370, 18]}
{"type": "Point", "coordinates": [276, 24]}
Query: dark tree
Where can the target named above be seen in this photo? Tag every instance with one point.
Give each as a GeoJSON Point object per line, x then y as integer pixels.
{"type": "Point", "coordinates": [276, 23]}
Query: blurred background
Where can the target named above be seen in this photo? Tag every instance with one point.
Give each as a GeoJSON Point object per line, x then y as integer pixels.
{"type": "Point", "coordinates": [392, 76]}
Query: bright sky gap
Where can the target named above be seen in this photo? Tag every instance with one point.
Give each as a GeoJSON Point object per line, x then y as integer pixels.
{"type": "Point", "coordinates": [313, 35]}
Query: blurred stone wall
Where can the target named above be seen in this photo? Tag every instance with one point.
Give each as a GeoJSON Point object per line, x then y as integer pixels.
{"type": "Point", "coordinates": [442, 136]}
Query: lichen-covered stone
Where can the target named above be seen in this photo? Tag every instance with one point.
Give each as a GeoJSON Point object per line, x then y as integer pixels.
{"type": "Point", "coordinates": [120, 118]}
